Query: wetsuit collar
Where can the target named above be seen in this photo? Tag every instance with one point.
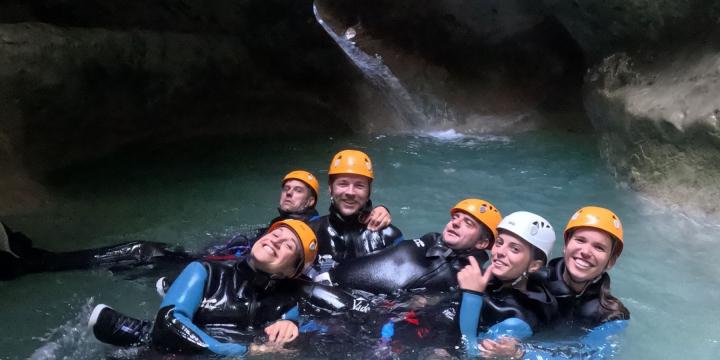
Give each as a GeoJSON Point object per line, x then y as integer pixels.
{"type": "Point", "coordinates": [260, 279]}
{"type": "Point", "coordinates": [336, 218]}
{"type": "Point", "coordinates": [439, 248]}
{"type": "Point", "coordinates": [304, 215]}
{"type": "Point", "coordinates": [559, 287]}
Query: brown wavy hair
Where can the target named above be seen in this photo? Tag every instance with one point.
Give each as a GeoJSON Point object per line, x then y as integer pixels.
{"type": "Point", "coordinates": [611, 307]}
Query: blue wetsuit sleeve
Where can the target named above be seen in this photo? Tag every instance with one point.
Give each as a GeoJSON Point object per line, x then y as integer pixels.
{"type": "Point", "coordinates": [512, 327]}
{"type": "Point", "coordinates": [598, 344]}
{"type": "Point", "coordinates": [292, 314]}
{"type": "Point", "coordinates": [469, 317]}
{"type": "Point", "coordinates": [185, 296]}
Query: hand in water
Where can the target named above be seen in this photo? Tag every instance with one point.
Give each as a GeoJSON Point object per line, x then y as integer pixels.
{"type": "Point", "coordinates": [505, 347]}
{"type": "Point", "coordinates": [259, 349]}
{"type": "Point", "coordinates": [281, 332]}
{"type": "Point", "coordinates": [471, 277]}
{"type": "Point", "coordinates": [378, 219]}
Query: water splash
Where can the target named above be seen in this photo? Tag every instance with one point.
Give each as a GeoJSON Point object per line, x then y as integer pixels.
{"type": "Point", "coordinates": [71, 340]}
{"type": "Point", "coordinates": [452, 135]}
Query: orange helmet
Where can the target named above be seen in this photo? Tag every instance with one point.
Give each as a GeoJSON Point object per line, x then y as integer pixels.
{"type": "Point", "coordinates": [351, 162]}
{"type": "Point", "coordinates": [306, 177]}
{"type": "Point", "coordinates": [483, 211]}
{"type": "Point", "coordinates": [598, 218]}
{"type": "Point", "coordinates": [307, 238]}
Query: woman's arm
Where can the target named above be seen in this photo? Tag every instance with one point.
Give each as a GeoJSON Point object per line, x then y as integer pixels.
{"type": "Point", "coordinates": [598, 344]}
{"type": "Point", "coordinates": [469, 317]}
{"type": "Point", "coordinates": [174, 329]}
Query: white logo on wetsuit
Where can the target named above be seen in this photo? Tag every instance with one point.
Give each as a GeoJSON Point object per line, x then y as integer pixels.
{"type": "Point", "coordinates": [419, 243]}
{"type": "Point", "coordinates": [326, 262]}
{"type": "Point", "coordinates": [361, 305]}
{"type": "Point", "coordinates": [449, 313]}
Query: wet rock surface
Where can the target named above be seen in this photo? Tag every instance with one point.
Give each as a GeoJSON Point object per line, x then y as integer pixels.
{"type": "Point", "coordinates": [660, 124]}
{"type": "Point", "coordinates": [482, 67]}
{"type": "Point", "coordinates": [81, 79]}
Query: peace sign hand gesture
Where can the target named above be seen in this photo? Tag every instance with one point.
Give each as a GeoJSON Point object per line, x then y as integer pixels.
{"type": "Point", "coordinates": [471, 277]}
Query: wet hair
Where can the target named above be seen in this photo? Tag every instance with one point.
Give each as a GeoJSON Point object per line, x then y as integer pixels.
{"type": "Point", "coordinates": [539, 255]}
{"type": "Point", "coordinates": [298, 267]}
{"type": "Point", "coordinates": [300, 258]}
{"type": "Point", "coordinates": [485, 233]}
{"type": "Point", "coordinates": [611, 307]}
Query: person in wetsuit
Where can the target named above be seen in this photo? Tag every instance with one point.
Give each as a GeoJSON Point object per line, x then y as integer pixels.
{"type": "Point", "coordinates": [18, 256]}
{"type": "Point", "coordinates": [210, 304]}
{"type": "Point", "coordinates": [580, 283]}
{"type": "Point", "coordinates": [430, 262]}
{"type": "Point", "coordinates": [346, 232]}
{"type": "Point", "coordinates": [503, 300]}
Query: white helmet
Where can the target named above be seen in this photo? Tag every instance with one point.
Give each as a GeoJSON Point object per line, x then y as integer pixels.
{"type": "Point", "coordinates": [532, 228]}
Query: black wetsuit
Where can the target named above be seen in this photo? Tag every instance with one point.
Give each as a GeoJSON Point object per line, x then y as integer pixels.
{"type": "Point", "coordinates": [235, 298]}
{"type": "Point", "coordinates": [345, 237]}
{"type": "Point", "coordinates": [536, 306]}
{"type": "Point", "coordinates": [419, 264]}
{"type": "Point", "coordinates": [582, 310]}
{"type": "Point", "coordinates": [505, 311]}
{"type": "Point", "coordinates": [23, 258]}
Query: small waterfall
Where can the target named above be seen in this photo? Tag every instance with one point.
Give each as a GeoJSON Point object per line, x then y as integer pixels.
{"type": "Point", "coordinates": [392, 90]}
{"type": "Point", "coordinates": [422, 111]}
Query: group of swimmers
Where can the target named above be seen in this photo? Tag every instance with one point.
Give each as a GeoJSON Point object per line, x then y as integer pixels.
{"type": "Point", "coordinates": [302, 260]}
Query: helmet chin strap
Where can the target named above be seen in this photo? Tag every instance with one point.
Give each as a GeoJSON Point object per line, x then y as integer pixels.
{"type": "Point", "coordinates": [520, 278]}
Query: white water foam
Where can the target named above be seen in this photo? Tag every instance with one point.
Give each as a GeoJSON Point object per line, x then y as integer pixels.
{"type": "Point", "coordinates": [71, 340]}
{"type": "Point", "coordinates": [452, 135]}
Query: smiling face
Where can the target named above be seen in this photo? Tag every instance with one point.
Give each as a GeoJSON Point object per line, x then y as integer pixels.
{"type": "Point", "coordinates": [296, 196]}
{"type": "Point", "coordinates": [464, 232]}
{"type": "Point", "coordinates": [277, 252]}
{"type": "Point", "coordinates": [587, 255]}
{"type": "Point", "coordinates": [511, 256]}
{"type": "Point", "coordinates": [350, 193]}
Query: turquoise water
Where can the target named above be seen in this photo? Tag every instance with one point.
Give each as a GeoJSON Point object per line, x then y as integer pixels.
{"type": "Point", "coordinates": [202, 193]}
